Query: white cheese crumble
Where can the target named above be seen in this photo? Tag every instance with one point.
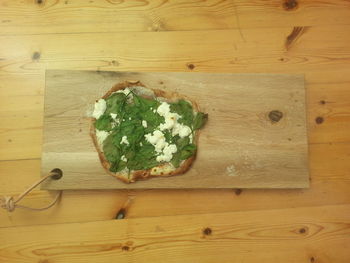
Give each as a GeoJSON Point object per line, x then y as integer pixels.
{"type": "Point", "coordinates": [144, 123]}
{"type": "Point", "coordinates": [163, 109]}
{"type": "Point", "coordinates": [171, 121]}
{"type": "Point", "coordinates": [181, 130]}
{"type": "Point", "coordinates": [101, 136]}
{"type": "Point", "coordinates": [125, 140]}
{"type": "Point", "coordinates": [123, 158]}
{"type": "Point", "coordinates": [114, 117]}
{"type": "Point", "coordinates": [157, 139]}
{"type": "Point", "coordinates": [184, 131]}
{"type": "Point", "coordinates": [162, 147]}
{"type": "Point", "coordinates": [99, 109]}
{"type": "Point", "coordinates": [167, 153]}
{"type": "Point", "coordinates": [126, 92]}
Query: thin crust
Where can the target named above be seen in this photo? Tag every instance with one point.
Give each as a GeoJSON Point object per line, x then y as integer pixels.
{"type": "Point", "coordinates": [135, 175]}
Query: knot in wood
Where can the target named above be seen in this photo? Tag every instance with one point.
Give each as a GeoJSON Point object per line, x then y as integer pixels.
{"type": "Point", "coordinates": [207, 231]}
{"type": "Point", "coordinates": [275, 115]}
{"type": "Point", "coordinates": [289, 5]}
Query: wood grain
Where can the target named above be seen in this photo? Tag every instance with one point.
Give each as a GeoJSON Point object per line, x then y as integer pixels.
{"type": "Point", "coordinates": [263, 152]}
{"type": "Point", "coordinates": [330, 182]}
{"type": "Point", "coordinates": [286, 36]}
{"type": "Point", "coordinates": [21, 113]}
{"type": "Point", "coordinates": [288, 235]}
{"type": "Point", "coordinates": [31, 17]}
{"type": "Point", "coordinates": [259, 50]}
{"type": "Point", "coordinates": [24, 120]}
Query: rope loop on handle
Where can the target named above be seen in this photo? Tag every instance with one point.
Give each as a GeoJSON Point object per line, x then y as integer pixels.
{"type": "Point", "coordinates": [10, 204]}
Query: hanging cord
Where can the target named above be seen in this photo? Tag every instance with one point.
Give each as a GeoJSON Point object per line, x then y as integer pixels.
{"type": "Point", "coordinates": [10, 204]}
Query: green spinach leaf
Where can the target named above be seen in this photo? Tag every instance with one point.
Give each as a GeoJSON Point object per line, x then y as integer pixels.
{"type": "Point", "coordinates": [145, 104]}
{"type": "Point", "coordinates": [188, 151]}
{"type": "Point", "coordinates": [199, 120]}
{"type": "Point", "coordinates": [104, 123]}
{"type": "Point", "coordinates": [184, 109]}
{"type": "Point", "coordinates": [117, 166]}
{"type": "Point", "coordinates": [176, 160]}
{"type": "Point", "coordinates": [153, 120]}
{"type": "Point", "coordinates": [111, 152]}
{"type": "Point", "coordinates": [184, 151]}
{"type": "Point", "coordinates": [114, 103]}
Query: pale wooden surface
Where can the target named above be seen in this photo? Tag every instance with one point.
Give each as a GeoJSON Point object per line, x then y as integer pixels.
{"type": "Point", "coordinates": [240, 146]}
{"type": "Point", "coordinates": [241, 236]}
{"type": "Point", "coordinates": [251, 37]}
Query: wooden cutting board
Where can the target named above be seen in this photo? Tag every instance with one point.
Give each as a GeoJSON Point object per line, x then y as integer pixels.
{"type": "Point", "coordinates": [255, 136]}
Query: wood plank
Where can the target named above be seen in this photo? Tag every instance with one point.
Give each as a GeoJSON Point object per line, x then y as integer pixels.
{"type": "Point", "coordinates": [21, 144]}
{"type": "Point", "coordinates": [260, 50]}
{"type": "Point", "coordinates": [329, 112]}
{"type": "Point", "coordinates": [239, 134]}
{"type": "Point", "coordinates": [330, 182]}
{"type": "Point", "coordinates": [21, 115]}
{"type": "Point", "coordinates": [316, 234]}
{"type": "Point", "coordinates": [21, 124]}
{"type": "Point", "coordinates": [22, 120]}
{"type": "Point", "coordinates": [29, 17]}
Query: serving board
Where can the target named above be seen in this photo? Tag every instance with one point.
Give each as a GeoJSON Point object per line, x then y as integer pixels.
{"type": "Point", "coordinates": [255, 136]}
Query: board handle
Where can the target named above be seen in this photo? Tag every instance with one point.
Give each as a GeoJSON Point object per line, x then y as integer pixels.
{"type": "Point", "coordinates": [10, 204]}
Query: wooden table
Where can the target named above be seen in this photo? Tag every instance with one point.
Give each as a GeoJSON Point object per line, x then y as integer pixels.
{"type": "Point", "coordinates": [310, 37]}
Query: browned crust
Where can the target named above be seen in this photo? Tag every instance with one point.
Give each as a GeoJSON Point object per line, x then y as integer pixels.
{"type": "Point", "coordinates": [143, 174]}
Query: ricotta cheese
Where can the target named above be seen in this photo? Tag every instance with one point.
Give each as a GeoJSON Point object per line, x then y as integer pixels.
{"type": "Point", "coordinates": [184, 131]}
{"type": "Point", "coordinates": [162, 147]}
{"type": "Point", "coordinates": [114, 116]}
{"type": "Point", "coordinates": [101, 136]}
{"type": "Point", "coordinates": [125, 140]}
{"type": "Point", "coordinates": [167, 154]}
{"type": "Point", "coordinates": [126, 92]}
{"type": "Point", "coordinates": [163, 109]}
{"type": "Point", "coordinates": [171, 121]}
{"type": "Point", "coordinates": [157, 139]}
{"type": "Point", "coordinates": [116, 121]}
{"type": "Point", "coordinates": [153, 138]}
{"type": "Point", "coordinates": [144, 124]}
{"type": "Point", "coordinates": [99, 109]}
